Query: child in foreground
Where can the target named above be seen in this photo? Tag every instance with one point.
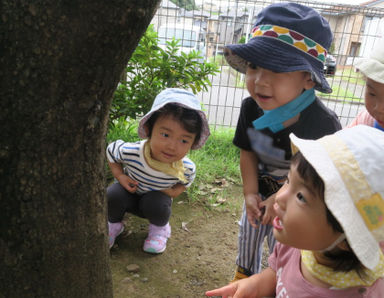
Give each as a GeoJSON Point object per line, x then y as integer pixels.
{"type": "Point", "coordinates": [330, 217]}
{"type": "Point", "coordinates": [283, 64]}
{"type": "Point", "coordinates": [152, 172]}
{"type": "Point", "coordinates": [373, 70]}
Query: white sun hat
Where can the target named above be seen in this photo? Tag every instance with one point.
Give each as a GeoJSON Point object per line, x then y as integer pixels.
{"type": "Point", "coordinates": [373, 67]}
{"type": "Point", "coordinates": [351, 164]}
{"type": "Point", "coordinates": [184, 99]}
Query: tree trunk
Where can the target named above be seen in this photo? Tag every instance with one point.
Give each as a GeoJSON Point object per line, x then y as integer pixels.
{"type": "Point", "coordinates": [60, 62]}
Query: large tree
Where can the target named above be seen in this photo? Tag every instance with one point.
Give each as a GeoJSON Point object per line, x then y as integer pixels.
{"type": "Point", "coordinates": [60, 62]}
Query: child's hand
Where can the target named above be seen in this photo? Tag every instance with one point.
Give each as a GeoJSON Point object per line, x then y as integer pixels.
{"type": "Point", "coordinates": [174, 191]}
{"type": "Point", "coordinates": [269, 213]}
{"type": "Point", "coordinates": [254, 213]}
{"type": "Point", "coordinates": [227, 291]}
{"type": "Point", "coordinates": [245, 288]}
{"type": "Point", "coordinates": [128, 183]}
{"type": "Point", "coordinates": [125, 181]}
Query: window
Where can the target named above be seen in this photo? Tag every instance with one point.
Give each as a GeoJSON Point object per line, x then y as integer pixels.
{"type": "Point", "coordinates": [354, 50]}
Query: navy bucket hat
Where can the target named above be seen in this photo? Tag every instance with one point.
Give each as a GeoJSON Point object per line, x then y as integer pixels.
{"type": "Point", "coordinates": [287, 37]}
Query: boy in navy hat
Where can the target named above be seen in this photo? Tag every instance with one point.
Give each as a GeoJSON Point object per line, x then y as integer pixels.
{"type": "Point", "coordinates": [283, 65]}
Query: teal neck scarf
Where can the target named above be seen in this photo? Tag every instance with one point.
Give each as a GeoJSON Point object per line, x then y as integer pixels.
{"type": "Point", "coordinates": [275, 118]}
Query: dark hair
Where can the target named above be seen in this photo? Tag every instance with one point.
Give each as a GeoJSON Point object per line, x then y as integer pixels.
{"type": "Point", "coordinates": [188, 118]}
{"type": "Point", "coordinates": [340, 260]}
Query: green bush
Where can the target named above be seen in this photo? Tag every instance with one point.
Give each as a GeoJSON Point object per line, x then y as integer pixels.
{"type": "Point", "coordinates": [123, 130]}
{"type": "Point", "coordinates": [152, 69]}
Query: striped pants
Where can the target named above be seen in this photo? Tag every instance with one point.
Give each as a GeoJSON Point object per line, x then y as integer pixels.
{"type": "Point", "coordinates": [251, 240]}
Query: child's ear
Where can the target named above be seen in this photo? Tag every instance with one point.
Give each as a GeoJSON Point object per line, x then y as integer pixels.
{"type": "Point", "coordinates": [146, 128]}
{"type": "Point", "coordinates": [309, 83]}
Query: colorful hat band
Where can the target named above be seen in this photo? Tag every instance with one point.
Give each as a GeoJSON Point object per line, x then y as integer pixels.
{"type": "Point", "coordinates": [292, 38]}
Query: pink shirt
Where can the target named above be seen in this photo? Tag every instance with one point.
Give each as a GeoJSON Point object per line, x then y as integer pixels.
{"type": "Point", "coordinates": [363, 118]}
{"type": "Point", "coordinates": [285, 260]}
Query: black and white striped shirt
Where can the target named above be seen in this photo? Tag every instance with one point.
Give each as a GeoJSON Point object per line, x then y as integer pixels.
{"type": "Point", "coordinates": [131, 157]}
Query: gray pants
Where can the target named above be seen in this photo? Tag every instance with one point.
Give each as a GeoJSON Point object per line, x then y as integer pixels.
{"type": "Point", "coordinates": [153, 205]}
{"type": "Point", "coordinates": [251, 240]}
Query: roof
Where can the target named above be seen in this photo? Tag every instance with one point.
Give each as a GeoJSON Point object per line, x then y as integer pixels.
{"type": "Point", "coordinates": [194, 13]}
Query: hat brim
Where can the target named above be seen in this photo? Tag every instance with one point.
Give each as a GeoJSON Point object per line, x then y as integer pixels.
{"type": "Point", "coordinates": [277, 56]}
{"type": "Point", "coordinates": [337, 196]}
{"type": "Point", "coordinates": [371, 68]}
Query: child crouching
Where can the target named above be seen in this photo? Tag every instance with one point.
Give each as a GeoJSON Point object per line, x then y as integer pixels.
{"type": "Point", "coordinates": [152, 172]}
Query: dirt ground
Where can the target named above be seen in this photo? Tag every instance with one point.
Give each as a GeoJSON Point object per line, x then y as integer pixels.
{"type": "Point", "coordinates": [200, 254]}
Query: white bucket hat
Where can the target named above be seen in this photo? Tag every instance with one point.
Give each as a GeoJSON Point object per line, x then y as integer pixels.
{"type": "Point", "coordinates": [373, 67]}
{"type": "Point", "coordinates": [351, 164]}
{"type": "Point", "coordinates": [182, 98]}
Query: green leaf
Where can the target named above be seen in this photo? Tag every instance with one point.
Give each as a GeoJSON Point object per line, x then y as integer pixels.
{"type": "Point", "coordinates": [152, 69]}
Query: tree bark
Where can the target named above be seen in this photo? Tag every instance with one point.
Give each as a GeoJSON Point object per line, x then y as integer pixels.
{"type": "Point", "coordinates": [60, 62]}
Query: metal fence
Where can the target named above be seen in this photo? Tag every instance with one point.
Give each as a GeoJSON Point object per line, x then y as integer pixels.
{"type": "Point", "coordinates": [222, 22]}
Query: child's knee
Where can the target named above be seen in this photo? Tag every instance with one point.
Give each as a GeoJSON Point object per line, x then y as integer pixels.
{"type": "Point", "coordinates": [115, 190]}
{"type": "Point", "coordinates": [156, 206]}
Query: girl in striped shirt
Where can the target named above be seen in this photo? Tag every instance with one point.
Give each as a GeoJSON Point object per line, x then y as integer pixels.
{"type": "Point", "coordinates": [151, 172]}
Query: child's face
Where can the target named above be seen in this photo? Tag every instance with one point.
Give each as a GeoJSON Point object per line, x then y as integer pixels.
{"type": "Point", "coordinates": [374, 100]}
{"type": "Point", "coordinates": [301, 220]}
{"type": "Point", "coordinates": [271, 90]}
{"type": "Point", "coordinates": [169, 141]}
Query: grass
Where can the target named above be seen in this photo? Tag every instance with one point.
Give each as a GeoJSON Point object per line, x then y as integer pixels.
{"type": "Point", "coordinates": [217, 162]}
{"type": "Point", "coordinates": [124, 130]}
{"type": "Point", "coordinates": [351, 76]}
{"type": "Point", "coordinates": [341, 94]}
{"type": "Point", "coordinates": [219, 60]}
{"type": "Point", "coordinates": [217, 165]}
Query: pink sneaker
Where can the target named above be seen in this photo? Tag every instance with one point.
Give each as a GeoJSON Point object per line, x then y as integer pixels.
{"type": "Point", "coordinates": [156, 241]}
{"type": "Point", "coordinates": [114, 230]}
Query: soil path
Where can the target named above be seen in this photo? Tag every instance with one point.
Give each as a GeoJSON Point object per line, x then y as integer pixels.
{"type": "Point", "coordinates": [200, 255]}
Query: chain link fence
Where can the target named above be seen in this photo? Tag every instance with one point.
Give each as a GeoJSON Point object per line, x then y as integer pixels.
{"type": "Point", "coordinates": [214, 24]}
